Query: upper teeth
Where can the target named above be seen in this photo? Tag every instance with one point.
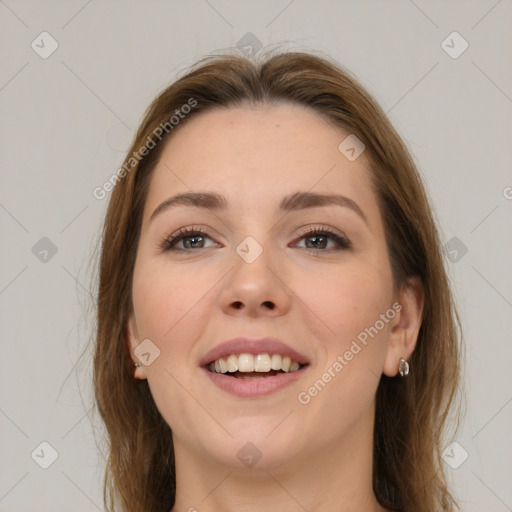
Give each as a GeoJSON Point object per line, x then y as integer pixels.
{"type": "Point", "coordinates": [251, 363]}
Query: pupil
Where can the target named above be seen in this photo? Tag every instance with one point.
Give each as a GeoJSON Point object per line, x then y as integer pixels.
{"type": "Point", "coordinates": [316, 237]}
{"type": "Point", "coordinates": [188, 243]}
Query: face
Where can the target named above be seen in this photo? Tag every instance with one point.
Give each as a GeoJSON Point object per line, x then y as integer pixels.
{"type": "Point", "coordinates": [314, 276]}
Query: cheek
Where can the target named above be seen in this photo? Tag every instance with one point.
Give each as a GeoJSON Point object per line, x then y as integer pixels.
{"type": "Point", "coordinates": [172, 306]}
{"type": "Point", "coordinates": [346, 298]}
{"type": "Point", "coordinates": [351, 301]}
{"type": "Point", "coordinates": [166, 299]}
{"type": "Point", "coordinates": [355, 303]}
{"type": "Point", "coordinates": [342, 387]}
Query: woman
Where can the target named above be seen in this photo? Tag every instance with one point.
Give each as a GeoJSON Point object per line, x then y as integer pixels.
{"type": "Point", "coordinates": [275, 325]}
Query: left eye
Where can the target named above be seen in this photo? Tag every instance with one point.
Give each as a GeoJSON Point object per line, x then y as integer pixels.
{"type": "Point", "coordinates": [320, 240]}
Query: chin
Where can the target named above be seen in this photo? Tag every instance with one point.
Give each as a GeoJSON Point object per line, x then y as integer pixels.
{"type": "Point", "coordinates": [257, 443]}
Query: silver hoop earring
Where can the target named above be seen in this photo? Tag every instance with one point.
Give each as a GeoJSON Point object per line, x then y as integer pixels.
{"type": "Point", "coordinates": [403, 367]}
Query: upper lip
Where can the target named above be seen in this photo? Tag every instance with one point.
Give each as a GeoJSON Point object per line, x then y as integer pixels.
{"type": "Point", "coordinates": [252, 346]}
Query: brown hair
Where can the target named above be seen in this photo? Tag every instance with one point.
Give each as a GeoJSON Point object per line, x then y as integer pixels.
{"type": "Point", "coordinates": [411, 414]}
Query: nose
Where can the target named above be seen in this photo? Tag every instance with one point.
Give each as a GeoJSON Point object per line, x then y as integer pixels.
{"type": "Point", "coordinates": [256, 287]}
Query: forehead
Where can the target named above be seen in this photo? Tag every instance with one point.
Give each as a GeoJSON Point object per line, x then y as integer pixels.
{"type": "Point", "coordinates": [256, 155]}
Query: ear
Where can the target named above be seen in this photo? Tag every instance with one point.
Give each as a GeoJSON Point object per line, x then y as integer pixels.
{"type": "Point", "coordinates": [132, 341]}
{"type": "Point", "coordinates": [405, 326]}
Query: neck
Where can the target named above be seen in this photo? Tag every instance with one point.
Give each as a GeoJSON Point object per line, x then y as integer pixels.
{"type": "Point", "coordinates": [335, 477]}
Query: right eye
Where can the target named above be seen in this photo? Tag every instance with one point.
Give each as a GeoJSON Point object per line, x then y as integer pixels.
{"type": "Point", "coordinates": [192, 238]}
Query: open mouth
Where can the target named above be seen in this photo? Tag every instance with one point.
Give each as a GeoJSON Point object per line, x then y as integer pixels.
{"type": "Point", "coordinates": [253, 368]}
{"type": "Point", "coordinates": [249, 366]}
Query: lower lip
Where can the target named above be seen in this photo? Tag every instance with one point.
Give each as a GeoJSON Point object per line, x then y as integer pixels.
{"type": "Point", "coordinates": [260, 386]}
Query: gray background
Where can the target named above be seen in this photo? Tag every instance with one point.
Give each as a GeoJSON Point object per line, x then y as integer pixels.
{"type": "Point", "coordinates": [67, 119]}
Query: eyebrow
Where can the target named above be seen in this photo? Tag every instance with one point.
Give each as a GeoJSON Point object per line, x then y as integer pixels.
{"type": "Point", "coordinates": [292, 202]}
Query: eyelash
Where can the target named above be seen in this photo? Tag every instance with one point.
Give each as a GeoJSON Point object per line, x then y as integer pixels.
{"type": "Point", "coordinates": [344, 243]}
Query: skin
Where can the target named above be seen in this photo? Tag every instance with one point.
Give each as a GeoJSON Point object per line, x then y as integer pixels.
{"type": "Point", "coordinates": [316, 456]}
